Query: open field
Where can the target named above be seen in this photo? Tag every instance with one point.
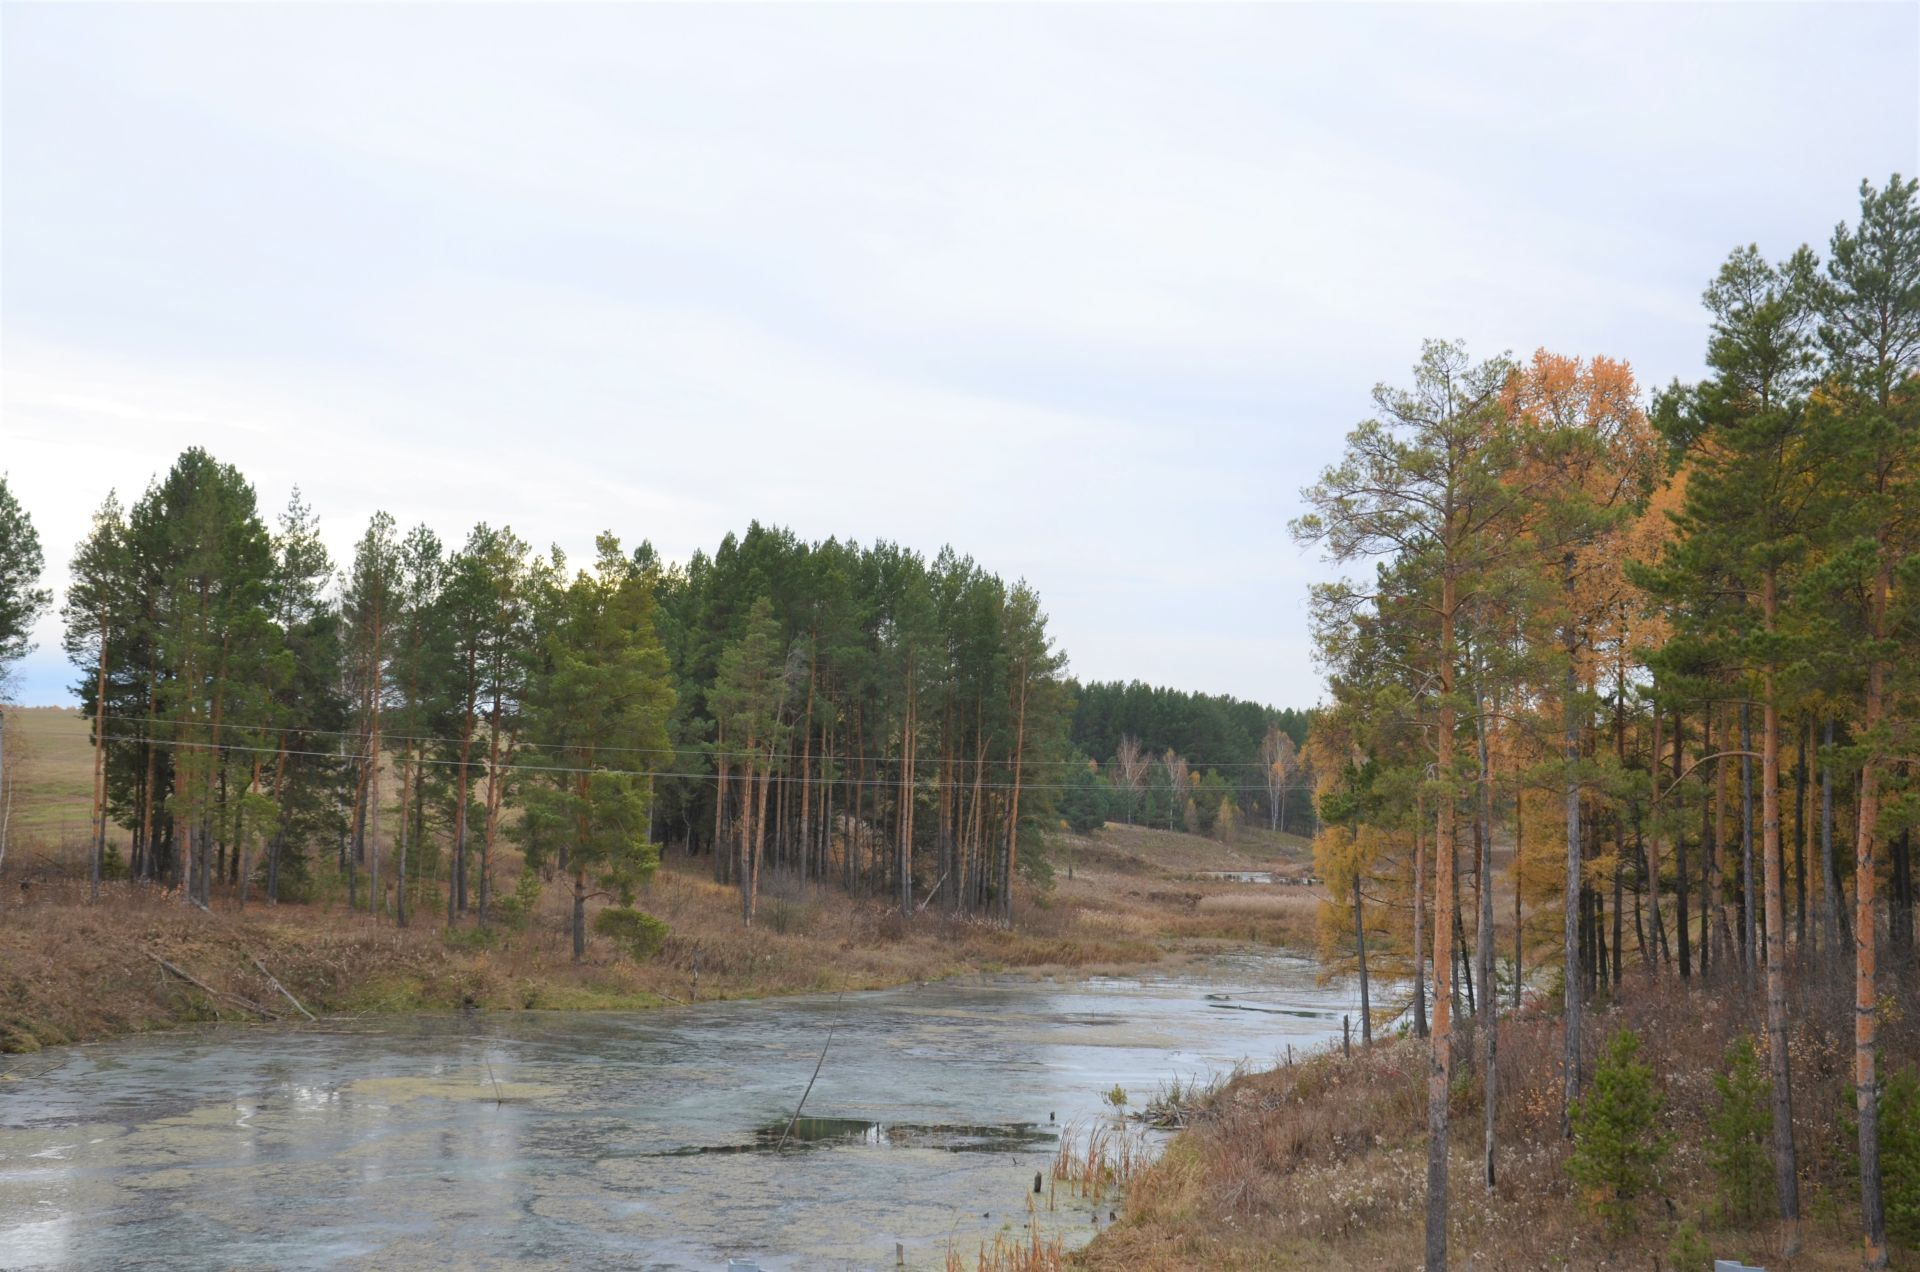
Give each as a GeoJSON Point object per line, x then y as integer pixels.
{"type": "Point", "coordinates": [49, 766]}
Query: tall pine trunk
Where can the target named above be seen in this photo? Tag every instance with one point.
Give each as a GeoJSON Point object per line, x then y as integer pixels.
{"type": "Point", "coordinates": [1440, 1043]}
{"type": "Point", "coordinates": [1866, 1081]}
{"type": "Point", "coordinates": [1653, 842]}
{"type": "Point", "coordinates": [1785, 1163]}
{"type": "Point", "coordinates": [1013, 812]}
{"type": "Point", "coordinates": [1575, 884]}
{"type": "Point", "coordinates": [99, 763]}
{"type": "Point", "coordinates": [1420, 1028]}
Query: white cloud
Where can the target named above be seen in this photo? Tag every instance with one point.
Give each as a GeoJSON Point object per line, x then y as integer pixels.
{"type": "Point", "coordinates": [1089, 292]}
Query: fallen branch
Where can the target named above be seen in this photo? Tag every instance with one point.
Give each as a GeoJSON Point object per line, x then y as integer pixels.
{"type": "Point", "coordinates": [191, 979]}
{"type": "Point", "coordinates": [283, 989]}
{"type": "Point", "coordinates": [932, 892]}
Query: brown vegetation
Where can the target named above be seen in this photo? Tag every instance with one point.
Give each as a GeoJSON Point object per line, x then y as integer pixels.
{"type": "Point", "coordinates": [74, 971]}
{"type": "Point", "coordinates": [1323, 1164]}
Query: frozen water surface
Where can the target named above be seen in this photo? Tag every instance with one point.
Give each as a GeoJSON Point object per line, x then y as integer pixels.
{"type": "Point", "coordinates": [614, 1140]}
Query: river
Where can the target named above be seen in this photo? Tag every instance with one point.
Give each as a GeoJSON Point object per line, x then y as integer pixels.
{"type": "Point", "coordinates": [618, 1140]}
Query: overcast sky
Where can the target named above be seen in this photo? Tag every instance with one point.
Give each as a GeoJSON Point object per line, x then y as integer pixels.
{"type": "Point", "coordinates": [1088, 292]}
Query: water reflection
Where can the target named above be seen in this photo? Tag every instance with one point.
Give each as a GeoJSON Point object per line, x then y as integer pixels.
{"type": "Point", "coordinates": [649, 1140]}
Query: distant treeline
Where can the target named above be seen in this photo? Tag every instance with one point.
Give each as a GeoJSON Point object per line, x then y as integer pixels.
{"type": "Point", "coordinates": [1168, 757]}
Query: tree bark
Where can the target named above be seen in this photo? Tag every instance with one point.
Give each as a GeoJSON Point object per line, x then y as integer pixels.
{"type": "Point", "coordinates": [1749, 910]}
{"type": "Point", "coordinates": [1013, 810]}
{"type": "Point", "coordinates": [1419, 919]}
{"type": "Point", "coordinates": [1785, 1161]}
{"type": "Point", "coordinates": [1653, 843]}
{"type": "Point", "coordinates": [579, 915]}
{"type": "Point", "coordinates": [1440, 1043]}
{"type": "Point", "coordinates": [1575, 885]}
{"type": "Point", "coordinates": [1800, 840]}
{"type": "Point", "coordinates": [1680, 880]}
{"type": "Point", "coordinates": [1866, 1082]}
{"type": "Point", "coordinates": [99, 763]}
{"type": "Point", "coordinates": [904, 819]}
{"type": "Point", "coordinates": [1489, 995]}
{"type": "Point", "coordinates": [1360, 944]}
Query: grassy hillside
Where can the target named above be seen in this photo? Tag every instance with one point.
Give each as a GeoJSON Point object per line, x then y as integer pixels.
{"type": "Point", "coordinates": [49, 772]}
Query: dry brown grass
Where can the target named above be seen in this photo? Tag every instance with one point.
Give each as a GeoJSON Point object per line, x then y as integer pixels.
{"type": "Point", "coordinates": [1322, 1164]}
{"type": "Point", "coordinates": [72, 971]}
{"type": "Point", "coordinates": [1031, 1252]}
{"type": "Point", "coordinates": [1099, 1160]}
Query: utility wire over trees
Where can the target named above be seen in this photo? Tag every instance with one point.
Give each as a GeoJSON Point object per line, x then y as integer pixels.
{"type": "Point", "coordinates": [856, 716]}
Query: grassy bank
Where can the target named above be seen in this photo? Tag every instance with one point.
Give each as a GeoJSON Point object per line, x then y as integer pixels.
{"type": "Point", "coordinates": [72, 970]}
{"type": "Point", "coordinates": [1324, 1164]}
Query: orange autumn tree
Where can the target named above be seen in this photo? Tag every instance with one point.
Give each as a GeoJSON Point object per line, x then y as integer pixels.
{"type": "Point", "coordinates": [1601, 459]}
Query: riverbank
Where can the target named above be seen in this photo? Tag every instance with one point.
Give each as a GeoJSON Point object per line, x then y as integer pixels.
{"type": "Point", "coordinates": [626, 1139]}
{"type": "Point", "coordinates": [1323, 1164]}
{"type": "Point", "coordinates": [139, 960]}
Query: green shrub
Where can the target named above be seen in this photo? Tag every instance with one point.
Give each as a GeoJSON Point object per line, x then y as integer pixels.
{"type": "Point", "coordinates": [470, 938]}
{"type": "Point", "coordinates": [1688, 1251]}
{"type": "Point", "coordinates": [515, 910]}
{"type": "Point", "coordinates": [1900, 1156]}
{"type": "Point", "coordinates": [1617, 1144]}
{"type": "Point", "coordinates": [1899, 1153]}
{"type": "Point", "coordinates": [1738, 1133]}
{"type": "Point", "coordinates": [639, 935]}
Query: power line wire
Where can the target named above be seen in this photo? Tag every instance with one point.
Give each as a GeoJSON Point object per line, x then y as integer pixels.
{"type": "Point", "coordinates": [622, 750]}
{"type": "Point", "coordinates": [789, 779]}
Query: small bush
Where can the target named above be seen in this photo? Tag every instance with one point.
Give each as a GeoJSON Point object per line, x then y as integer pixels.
{"type": "Point", "coordinates": [473, 938]}
{"type": "Point", "coordinates": [1617, 1146]}
{"type": "Point", "coordinates": [515, 910]}
{"type": "Point", "coordinates": [639, 935]}
{"type": "Point", "coordinates": [1900, 1156]}
{"type": "Point", "coordinates": [1737, 1133]}
{"type": "Point", "coordinates": [1899, 1153]}
{"type": "Point", "coordinates": [1688, 1251]}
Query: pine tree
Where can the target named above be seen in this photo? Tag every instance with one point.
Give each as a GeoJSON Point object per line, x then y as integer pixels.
{"type": "Point", "coordinates": [21, 603]}
{"type": "Point", "coordinates": [1870, 405]}
{"type": "Point", "coordinates": [1427, 480]}
{"type": "Point", "coordinates": [1739, 1131]}
{"type": "Point", "coordinates": [94, 617]}
{"type": "Point", "coordinates": [371, 607]}
{"type": "Point", "coordinates": [1618, 1147]}
{"type": "Point", "coordinates": [748, 700]}
{"type": "Point", "coordinates": [601, 703]}
{"type": "Point", "coordinates": [21, 599]}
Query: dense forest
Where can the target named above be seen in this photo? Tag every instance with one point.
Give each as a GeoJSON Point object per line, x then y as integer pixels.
{"type": "Point", "coordinates": [1183, 760]}
{"type": "Point", "coordinates": [855, 715]}
{"type": "Point", "coordinates": [1661, 664]}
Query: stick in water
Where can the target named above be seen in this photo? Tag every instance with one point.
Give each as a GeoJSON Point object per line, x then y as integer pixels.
{"type": "Point", "coordinates": [496, 1082]}
{"type": "Point", "coordinates": [810, 1081]}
